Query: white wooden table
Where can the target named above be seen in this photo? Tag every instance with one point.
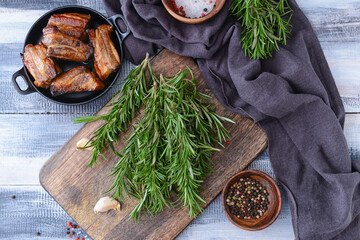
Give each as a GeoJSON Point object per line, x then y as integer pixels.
{"type": "Point", "coordinates": [32, 128]}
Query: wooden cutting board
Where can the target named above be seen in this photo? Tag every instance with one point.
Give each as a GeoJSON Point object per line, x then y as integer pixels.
{"type": "Point", "coordinates": [77, 188]}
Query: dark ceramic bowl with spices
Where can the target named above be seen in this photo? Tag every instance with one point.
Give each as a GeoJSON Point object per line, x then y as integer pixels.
{"type": "Point", "coordinates": [251, 200]}
{"type": "Point", "coordinates": [178, 12]}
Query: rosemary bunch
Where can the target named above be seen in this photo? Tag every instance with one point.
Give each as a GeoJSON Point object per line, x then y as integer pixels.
{"type": "Point", "coordinates": [265, 25]}
{"type": "Point", "coordinates": [169, 148]}
{"type": "Point", "coordinates": [130, 97]}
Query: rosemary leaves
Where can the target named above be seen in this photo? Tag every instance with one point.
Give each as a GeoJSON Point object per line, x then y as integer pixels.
{"type": "Point", "coordinates": [130, 97]}
{"type": "Point", "coordinates": [266, 24]}
{"type": "Point", "coordinates": [169, 148]}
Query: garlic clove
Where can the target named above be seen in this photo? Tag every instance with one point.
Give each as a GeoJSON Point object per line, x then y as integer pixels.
{"type": "Point", "coordinates": [105, 204]}
{"type": "Point", "coordinates": [83, 143]}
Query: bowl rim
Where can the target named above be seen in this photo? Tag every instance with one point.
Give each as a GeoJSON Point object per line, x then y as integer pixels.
{"type": "Point", "coordinates": [277, 192]}
{"type": "Point", "coordinates": [211, 14]}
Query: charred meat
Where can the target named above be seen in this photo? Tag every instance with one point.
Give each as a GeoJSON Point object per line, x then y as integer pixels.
{"type": "Point", "coordinates": [78, 79]}
{"type": "Point", "coordinates": [42, 68]}
{"type": "Point", "coordinates": [63, 46]}
{"type": "Point", "coordinates": [106, 57]}
{"type": "Point", "coordinates": [73, 24]}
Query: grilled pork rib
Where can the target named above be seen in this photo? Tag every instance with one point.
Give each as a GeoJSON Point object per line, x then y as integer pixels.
{"type": "Point", "coordinates": [42, 68]}
{"type": "Point", "coordinates": [63, 46]}
{"type": "Point", "coordinates": [79, 79]}
{"type": "Point", "coordinates": [73, 24]}
{"type": "Point", "coordinates": [106, 57]}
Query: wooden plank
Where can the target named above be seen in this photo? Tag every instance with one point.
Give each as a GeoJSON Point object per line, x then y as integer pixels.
{"type": "Point", "coordinates": [17, 16]}
{"type": "Point", "coordinates": [35, 4]}
{"type": "Point", "coordinates": [344, 62]}
{"type": "Point", "coordinates": [23, 151]}
{"type": "Point", "coordinates": [21, 5]}
{"type": "Point", "coordinates": [33, 210]}
{"type": "Point", "coordinates": [332, 20]}
{"type": "Point", "coordinates": [82, 187]}
{"type": "Point", "coordinates": [352, 134]}
{"type": "Point", "coordinates": [16, 23]}
{"type": "Point", "coordinates": [213, 224]}
{"type": "Point", "coordinates": [28, 141]}
{"type": "Point", "coordinates": [343, 59]}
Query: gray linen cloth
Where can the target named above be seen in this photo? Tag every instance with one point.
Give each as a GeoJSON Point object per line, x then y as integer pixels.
{"type": "Point", "coordinates": [292, 96]}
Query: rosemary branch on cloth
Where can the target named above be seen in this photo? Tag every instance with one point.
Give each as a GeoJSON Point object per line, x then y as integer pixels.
{"type": "Point", "coordinates": [266, 24]}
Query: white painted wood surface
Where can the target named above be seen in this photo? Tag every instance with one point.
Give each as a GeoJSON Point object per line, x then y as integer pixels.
{"type": "Point", "coordinates": [32, 128]}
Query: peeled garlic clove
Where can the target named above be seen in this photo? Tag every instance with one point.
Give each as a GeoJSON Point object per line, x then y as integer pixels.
{"type": "Point", "coordinates": [105, 204]}
{"type": "Point", "coordinates": [83, 143]}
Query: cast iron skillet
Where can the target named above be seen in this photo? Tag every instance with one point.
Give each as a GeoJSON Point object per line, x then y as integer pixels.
{"type": "Point", "coordinates": [34, 36]}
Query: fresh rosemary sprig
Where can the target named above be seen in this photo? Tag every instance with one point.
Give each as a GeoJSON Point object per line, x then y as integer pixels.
{"type": "Point", "coordinates": [169, 148]}
{"type": "Point", "coordinates": [130, 97]}
{"type": "Point", "coordinates": [265, 25]}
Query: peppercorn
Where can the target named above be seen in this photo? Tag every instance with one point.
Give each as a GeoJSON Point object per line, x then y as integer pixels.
{"type": "Point", "coordinates": [253, 201]}
{"type": "Point", "coordinates": [38, 234]}
{"type": "Point", "coordinates": [13, 196]}
{"type": "Point", "coordinates": [72, 233]}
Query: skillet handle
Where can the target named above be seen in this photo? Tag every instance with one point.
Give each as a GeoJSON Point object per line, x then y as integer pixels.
{"type": "Point", "coordinates": [122, 34]}
{"type": "Point", "coordinates": [21, 73]}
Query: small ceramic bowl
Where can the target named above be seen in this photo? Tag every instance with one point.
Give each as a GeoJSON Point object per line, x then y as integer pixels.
{"type": "Point", "coordinates": [170, 8]}
{"type": "Point", "coordinates": [274, 198]}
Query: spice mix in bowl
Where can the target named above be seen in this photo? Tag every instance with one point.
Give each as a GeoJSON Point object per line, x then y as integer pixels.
{"type": "Point", "coordinates": [247, 199]}
{"type": "Point", "coordinates": [251, 200]}
{"type": "Point", "coordinates": [193, 11]}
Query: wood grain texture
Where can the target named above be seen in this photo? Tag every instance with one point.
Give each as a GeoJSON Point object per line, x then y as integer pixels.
{"type": "Point", "coordinates": [344, 62]}
{"type": "Point", "coordinates": [77, 188]}
{"type": "Point", "coordinates": [29, 213]}
{"type": "Point", "coordinates": [343, 59]}
{"type": "Point", "coordinates": [332, 20]}
{"type": "Point", "coordinates": [34, 210]}
{"type": "Point", "coordinates": [25, 149]}
{"type": "Point", "coordinates": [27, 141]}
{"type": "Point", "coordinates": [335, 22]}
